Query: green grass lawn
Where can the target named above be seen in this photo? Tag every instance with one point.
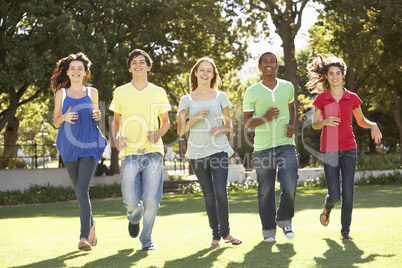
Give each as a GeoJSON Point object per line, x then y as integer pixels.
{"type": "Point", "coordinates": [46, 235]}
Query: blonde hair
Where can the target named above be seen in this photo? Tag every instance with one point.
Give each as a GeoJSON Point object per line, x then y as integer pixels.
{"type": "Point", "coordinates": [318, 69]}
{"type": "Point", "coordinates": [193, 79]}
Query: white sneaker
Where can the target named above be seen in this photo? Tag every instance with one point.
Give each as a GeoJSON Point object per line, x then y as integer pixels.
{"type": "Point", "coordinates": [288, 232]}
{"type": "Point", "coordinates": [269, 239]}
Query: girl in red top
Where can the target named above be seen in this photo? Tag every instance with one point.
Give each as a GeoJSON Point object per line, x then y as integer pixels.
{"type": "Point", "coordinates": [333, 111]}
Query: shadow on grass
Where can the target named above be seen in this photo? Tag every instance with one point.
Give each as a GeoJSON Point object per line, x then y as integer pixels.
{"type": "Point", "coordinates": [121, 259]}
{"type": "Point", "coordinates": [263, 255]}
{"type": "Point", "coordinates": [347, 256]}
{"type": "Point", "coordinates": [55, 262]}
{"type": "Point", "coordinates": [203, 258]}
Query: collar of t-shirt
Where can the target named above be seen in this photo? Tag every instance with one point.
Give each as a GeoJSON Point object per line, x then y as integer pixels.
{"type": "Point", "coordinates": [328, 96]}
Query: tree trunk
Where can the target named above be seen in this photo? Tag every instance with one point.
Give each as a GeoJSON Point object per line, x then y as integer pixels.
{"type": "Point", "coordinates": [114, 161]}
{"type": "Point", "coordinates": [11, 136]}
{"type": "Point", "coordinates": [398, 116]}
{"type": "Point", "coordinates": [291, 73]}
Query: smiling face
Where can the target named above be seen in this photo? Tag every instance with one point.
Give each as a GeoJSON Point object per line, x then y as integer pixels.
{"type": "Point", "coordinates": [139, 66]}
{"type": "Point", "coordinates": [334, 76]}
{"type": "Point", "coordinates": [268, 64]}
{"type": "Point", "coordinates": [205, 73]}
{"type": "Point", "coordinates": [76, 71]}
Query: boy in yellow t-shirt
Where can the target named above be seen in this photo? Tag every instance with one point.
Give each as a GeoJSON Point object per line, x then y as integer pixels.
{"type": "Point", "coordinates": [137, 134]}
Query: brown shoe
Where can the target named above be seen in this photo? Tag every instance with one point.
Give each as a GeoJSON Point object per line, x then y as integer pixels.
{"type": "Point", "coordinates": [324, 216]}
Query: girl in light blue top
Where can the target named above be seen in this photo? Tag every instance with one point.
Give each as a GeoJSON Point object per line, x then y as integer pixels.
{"type": "Point", "coordinates": [205, 112]}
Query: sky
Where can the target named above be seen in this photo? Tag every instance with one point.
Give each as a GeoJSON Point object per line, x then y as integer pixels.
{"type": "Point", "coordinates": [309, 17]}
{"type": "Point", "coordinates": [274, 42]}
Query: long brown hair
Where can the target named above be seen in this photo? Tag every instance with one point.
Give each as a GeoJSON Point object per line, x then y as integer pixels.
{"type": "Point", "coordinates": [60, 78]}
{"type": "Point", "coordinates": [318, 69]}
{"type": "Point", "coordinates": [193, 79]}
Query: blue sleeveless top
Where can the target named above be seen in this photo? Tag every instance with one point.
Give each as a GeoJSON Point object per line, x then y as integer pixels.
{"type": "Point", "coordinates": [82, 139]}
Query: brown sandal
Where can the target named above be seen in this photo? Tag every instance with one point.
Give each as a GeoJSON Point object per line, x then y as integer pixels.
{"type": "Point", "coordinates": [324, 216]}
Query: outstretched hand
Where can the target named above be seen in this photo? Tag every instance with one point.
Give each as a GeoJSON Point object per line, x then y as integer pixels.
{"type": "Point", "coordinates": [376, 134]}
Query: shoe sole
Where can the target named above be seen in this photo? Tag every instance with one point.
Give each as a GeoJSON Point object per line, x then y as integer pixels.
{"type": "Point", "coordinates": [289, 237]}
{"type": "Point", "coordinates": [85, 247]}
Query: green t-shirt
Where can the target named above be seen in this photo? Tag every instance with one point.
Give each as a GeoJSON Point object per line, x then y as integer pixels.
{"type": "Point", "coordinates": [258, 99]}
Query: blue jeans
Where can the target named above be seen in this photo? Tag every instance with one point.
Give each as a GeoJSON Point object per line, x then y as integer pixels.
{"type": "Point", "coordinates": [141, 186]}
{"type": "Point", "coordinates": [212, 174]}
{"type": "Point", "coordinates": [345, 163]}
{"type": "Point", "coordinates": [281, 159]}
{"type": "Point", "coordinates": [81, 173]}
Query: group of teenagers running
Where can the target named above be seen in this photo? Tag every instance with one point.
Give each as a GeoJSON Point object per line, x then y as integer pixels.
{"type": "Point", "coordinates": [141, 119]}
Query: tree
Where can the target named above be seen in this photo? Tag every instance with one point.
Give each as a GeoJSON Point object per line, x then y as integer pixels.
{"type": "Point", "coordinates": [366, 34]}
{"type": "Point", "coordinates": [286, 16]}
{"type": "Point", "coordinates": [35, 34]}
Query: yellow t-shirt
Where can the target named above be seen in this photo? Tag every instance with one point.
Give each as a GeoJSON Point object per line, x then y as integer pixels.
{"type": "Point", "coordinates": [140, 111]}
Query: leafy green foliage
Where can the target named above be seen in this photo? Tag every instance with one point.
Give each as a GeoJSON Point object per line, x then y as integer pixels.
{"type": "Point", "coordinates": [364, 33]}
{"type": "Point", "coordinates": [178, 176]}
{"type": "Point", "coordinates": [390, 179]}
{"type": "Point", "coordinates": [49, 193]}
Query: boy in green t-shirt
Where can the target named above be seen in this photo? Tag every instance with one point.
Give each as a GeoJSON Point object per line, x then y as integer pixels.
{"type": "Point", "coordinates": [138, 136]}
{"type": "Point", "coordinates": [269, 107]}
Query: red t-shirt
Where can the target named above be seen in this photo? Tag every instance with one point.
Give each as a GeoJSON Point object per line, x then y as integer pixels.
{"type": "Point", "coordinates": [341, 137]}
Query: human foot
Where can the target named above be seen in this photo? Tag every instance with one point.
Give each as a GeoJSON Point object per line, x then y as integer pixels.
{"type": "Point", "coordinates": [84, 245]}
{"type": "Point", "coordinates": [234, 240]}
{"type": "Point", "coordinates": [93, 240]}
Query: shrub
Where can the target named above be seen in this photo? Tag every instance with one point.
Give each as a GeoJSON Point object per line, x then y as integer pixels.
{"type": "Point", "coordinates": [178, 176]}
{"type": "Point", "coordinates": [390, 179]}
{"type": "Point", "coordinates": [317, 182]}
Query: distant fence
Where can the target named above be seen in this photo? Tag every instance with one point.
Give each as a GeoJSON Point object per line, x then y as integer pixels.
{"type": "Point", "coordinates": [31, 155]}
{"type": "Point", "coordinates": [27, 155]}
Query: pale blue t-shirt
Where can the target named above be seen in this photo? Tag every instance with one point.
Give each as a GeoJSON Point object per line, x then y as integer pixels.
{"type": "Point", "coordinates": [201, 142]}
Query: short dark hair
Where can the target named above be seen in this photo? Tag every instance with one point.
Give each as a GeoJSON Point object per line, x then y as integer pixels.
{"type": "Point", "coordinates": [137, 52]}
{"type": "Point", "coordinates": [267, 53]}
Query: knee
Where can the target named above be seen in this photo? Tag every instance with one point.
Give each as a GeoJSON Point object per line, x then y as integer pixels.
{"type": "Point", "coordinates": [221, 196]}
{"type": "Point", "coordinates": [347, 197]}
{"type": "Point", "coordinates": [81, 194]}
{"type": "Point", "coordinates": [334, 198]}
{"type": "Point", "coordinates": [152, 205]}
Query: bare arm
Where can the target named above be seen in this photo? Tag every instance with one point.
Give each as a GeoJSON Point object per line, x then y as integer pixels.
{"type": "Point", "coordinates": [319, 124]}
{"type": "Point", "coordinates": [96, 113]}
{"type": "Point", "coordinates": [362, 121]}
{"type": "Point", "coordinates": [154, 136]}
{"type": "Point", "coordinates": [120, 142]}
{"type": "Point", "coordinates": [58, 117]}
{"type": "Point", "coordinates": [183, 125]}
{"type": "Point", "coordinates": [290, 128]}
{"type": "Point", "coordinates": [250, 122]}
{"type": "Point", "coordinates": [227, 124]}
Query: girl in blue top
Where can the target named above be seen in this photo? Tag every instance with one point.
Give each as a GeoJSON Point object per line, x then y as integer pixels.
{"type": "Point", "coordinates": [79, 139]}
{"type": "Point", "coordinates": [207, 111]}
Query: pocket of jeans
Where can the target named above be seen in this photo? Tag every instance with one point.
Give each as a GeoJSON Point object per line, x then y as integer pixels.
{"type": "Point", "coordinates": [352, 153]}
